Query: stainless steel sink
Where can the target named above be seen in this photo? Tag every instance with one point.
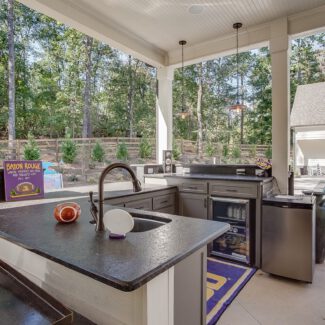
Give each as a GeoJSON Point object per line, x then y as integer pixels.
{"type": "Point", "coordinates": [144, 222]}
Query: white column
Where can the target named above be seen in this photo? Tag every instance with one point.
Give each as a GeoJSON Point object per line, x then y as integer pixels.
{"type": "Point", "coordinates": [164, 111]}
{"type": "Point", "coordinates": [279, 43]}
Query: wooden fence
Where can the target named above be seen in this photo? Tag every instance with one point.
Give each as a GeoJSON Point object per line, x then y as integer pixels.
{"type": "Point", "coordinates": [189, 150]}
{"type": "Point", "coordinates": [51, 149]}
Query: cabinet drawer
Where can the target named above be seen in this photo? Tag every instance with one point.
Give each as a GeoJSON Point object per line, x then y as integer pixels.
{"type": "Point", "coordinates": [145, 204]}
{"type": "Point", "coordinates": [194, 187]}
{"type": "Point", "coordinates": [115, 202]}
{"type": "Point", "coordinates": [170, 210]}
{"type": "Point", "coordinates": [235, 190]}
{"type": "Point", "coordinates": [163, 201]}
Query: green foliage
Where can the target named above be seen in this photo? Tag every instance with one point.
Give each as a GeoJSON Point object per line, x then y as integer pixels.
{"type": "Point", "coordinates": [122, 152]}
{"type": "Point", "coordinates": [98, 153]}
{"type": "Point", "coordinates": [235, 152]}
{"type": "Point", "coordinates": [176, 152]}
{"type": "Point", "coordinates": [225, 151]}
{"type": "Point", "coordinates": [69, 150]}
{"type": "Point", "coordinates": [50, 69]}
{"type": "Point", "coordinates": [210, 149]}
{"type": "Point", "coordinates": [145, 149]}
{"type": "Point", "coordinates": [73, 178]}
{"type": "Point", "coordinates": [31, 149]}
{"type": "Point", "coordinates": [268, 152]}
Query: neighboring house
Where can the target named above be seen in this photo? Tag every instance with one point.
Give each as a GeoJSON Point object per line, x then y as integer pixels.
{"type": "Point", "coordinates": [308, 123]}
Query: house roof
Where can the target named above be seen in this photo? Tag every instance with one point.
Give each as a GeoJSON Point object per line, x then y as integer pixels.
{"type": "Point", "coordinates": [309, 106]}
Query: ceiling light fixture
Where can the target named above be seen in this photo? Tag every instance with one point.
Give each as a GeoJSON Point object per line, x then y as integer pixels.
{"type": "Point", "coordinates": [184, 113]}
{"type": "Point", "coordinates": [238, 106]}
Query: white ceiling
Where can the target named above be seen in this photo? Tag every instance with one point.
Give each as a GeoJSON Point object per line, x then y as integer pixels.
{"type": "Point", "coordinates": [164, 22]}
{"type": "Point", "coordinates": [151, 29]}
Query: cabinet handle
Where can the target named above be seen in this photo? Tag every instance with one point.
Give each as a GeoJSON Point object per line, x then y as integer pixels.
{"type": "Point", "coordinates": [192, 187]}
{"type": "Point", "coordinates": [228, 190]}
{"type": "Point", "coordinates": [205, 202]}
{"type": "Point", "coordinates": [166, 201]}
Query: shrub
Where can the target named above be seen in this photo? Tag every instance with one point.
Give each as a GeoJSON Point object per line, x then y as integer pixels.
{"type": "Point", "coordinates": [122, 152]}
{"type": "Point", "coordinates": [225, 151]}
{"type": "Point", "coordinates": [210, 149]}
{"type": "Point", "coordinates": [145, 149]}
{"type": "Point", "coordinates": [92, 180]}
{"type": "Point", "coordinates": [236, 152]}
{"type": "Point", "coordinates": [31, 150]}
{"type": "Point", "coordinates": [98, 153]}
{"type": "Point", "coordinates": [73, 178]}
{"type": "Point", "coordinates": [69, 150]}
{"type": "Point", "coordinates": [268, 152]}
{"type": "Point", "coordinates": [176, 152]}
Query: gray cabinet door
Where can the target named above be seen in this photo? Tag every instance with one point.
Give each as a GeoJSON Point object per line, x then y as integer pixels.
{"type": "Point", "coordinates": [193, 205]}
{"type": "Point", "coordinates": [190, 279]}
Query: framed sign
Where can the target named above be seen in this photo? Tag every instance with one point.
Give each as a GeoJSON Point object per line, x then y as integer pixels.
{"type": "Point", "coordinates": [23, 180]}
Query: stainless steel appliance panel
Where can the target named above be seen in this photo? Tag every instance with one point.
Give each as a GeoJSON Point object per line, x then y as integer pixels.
{"type": "Point", "coordinates": [288, 242]}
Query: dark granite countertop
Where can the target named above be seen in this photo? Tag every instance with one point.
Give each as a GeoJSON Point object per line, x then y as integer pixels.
{"type": "Point", "coordinates": [111, 194]}
{"type": "Point", "coordinates": [246, 178]}
{"type": "Point", "coordinates": [124, 264]}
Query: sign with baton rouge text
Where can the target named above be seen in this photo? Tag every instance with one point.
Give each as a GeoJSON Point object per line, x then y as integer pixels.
{"type": "Point", "coordinates": [23, 179]}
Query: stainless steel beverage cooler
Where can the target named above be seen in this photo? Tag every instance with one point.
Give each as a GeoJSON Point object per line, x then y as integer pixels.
{"type": "Point", "coordinates": [235, 243]}
{"type": "Point", "coordinates": [288, 237]}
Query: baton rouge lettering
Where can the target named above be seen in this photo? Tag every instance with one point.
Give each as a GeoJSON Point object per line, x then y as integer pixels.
{"type": "Point", "coordinates": [23, 165]}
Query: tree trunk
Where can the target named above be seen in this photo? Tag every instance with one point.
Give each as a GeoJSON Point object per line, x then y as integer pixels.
{"type": "Point", "coordinates": [86, 130]}
{"type": "Point", "coordinates": [130, 99]}
{"type": "Point", "coordinates": [199, 110]}
{"type": "Point", "coordinates": [11, 78]}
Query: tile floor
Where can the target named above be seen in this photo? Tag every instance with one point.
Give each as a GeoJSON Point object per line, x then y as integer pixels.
{"type": "Point", "coordinates": [271, 300]}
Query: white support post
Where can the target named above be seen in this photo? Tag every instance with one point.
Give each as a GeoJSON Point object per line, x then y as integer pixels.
{"type": "Point", "coordinates": [164, 111]}
{"type": "Point", "coordinates": [279, 44]}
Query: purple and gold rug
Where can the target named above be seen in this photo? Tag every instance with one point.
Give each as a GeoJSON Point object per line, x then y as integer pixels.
{"type": "Point", "coordinates": [224, 281]}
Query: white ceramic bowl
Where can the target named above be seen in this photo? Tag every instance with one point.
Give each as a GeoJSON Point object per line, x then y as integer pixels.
{"type": "Point", "coordinates": [118, 222]}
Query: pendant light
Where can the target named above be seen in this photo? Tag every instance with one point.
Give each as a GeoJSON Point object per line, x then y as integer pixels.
{"type": "Point", "coordinates": [184, 112]}
{"type": "Point", "coordinates": [238, 106]}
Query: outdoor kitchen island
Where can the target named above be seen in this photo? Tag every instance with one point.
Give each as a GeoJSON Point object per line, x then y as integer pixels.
{"type": "Point", "coordinates": [151, 277]}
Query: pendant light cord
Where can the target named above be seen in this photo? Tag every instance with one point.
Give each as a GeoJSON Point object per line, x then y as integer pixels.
{"type": "Point", "coordinates": [237, 61]}
{"type": "Point", "coordinates": [183, 96]}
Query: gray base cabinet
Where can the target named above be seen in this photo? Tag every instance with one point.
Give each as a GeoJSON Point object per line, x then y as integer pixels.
{"type": "Point", "coordinates": [193, 205]}
{"type": "Point", "coordinates": [161, 201]}
{"type": "Point", "coordinates": [144, 204]}
{"type": "Point", "coordinates": [194, 199]}
{"type": "Point", "coordinates": [190, 289]}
